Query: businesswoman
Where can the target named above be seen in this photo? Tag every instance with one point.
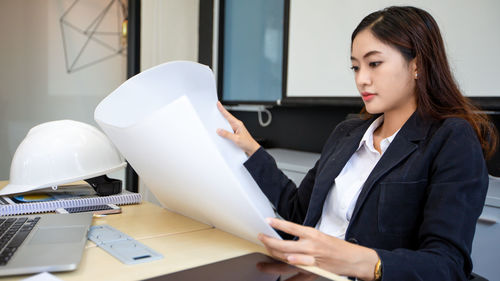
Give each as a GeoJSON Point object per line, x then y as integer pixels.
{"type": "Point", "coordinates": [396, 195]}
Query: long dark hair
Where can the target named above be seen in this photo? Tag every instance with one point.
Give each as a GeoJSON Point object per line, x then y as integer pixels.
{"type": "Point", "coordinates": [415, 33]}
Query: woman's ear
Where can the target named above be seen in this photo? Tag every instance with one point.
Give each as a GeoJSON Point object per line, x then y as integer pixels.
{"type": "Point", "coordinates": [413, 68]}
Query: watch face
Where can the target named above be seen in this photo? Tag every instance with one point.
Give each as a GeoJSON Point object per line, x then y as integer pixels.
{"type": "Point", "coordinates": [251, 267]}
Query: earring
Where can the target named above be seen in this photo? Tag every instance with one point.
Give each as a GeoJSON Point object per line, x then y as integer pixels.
{"type": "Point", "coordinates": [416, 75]}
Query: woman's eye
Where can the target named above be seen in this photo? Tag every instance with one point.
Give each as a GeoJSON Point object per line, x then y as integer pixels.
{"type": "Point", "coordinates": [355, 68]}
{"type": "Point", "coordinates": [374, 64]}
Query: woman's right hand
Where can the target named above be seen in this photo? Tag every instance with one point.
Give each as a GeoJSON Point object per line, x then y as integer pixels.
{"type": "Point", "coordinates": [240, 135]}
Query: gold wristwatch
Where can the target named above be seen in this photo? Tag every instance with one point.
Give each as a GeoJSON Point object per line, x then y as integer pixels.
{"type": "Point", "coordinates": [378, 270]}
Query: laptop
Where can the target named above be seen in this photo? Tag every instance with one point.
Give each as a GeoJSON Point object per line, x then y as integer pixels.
{"type": "Point", "coordinates": [44, 242]}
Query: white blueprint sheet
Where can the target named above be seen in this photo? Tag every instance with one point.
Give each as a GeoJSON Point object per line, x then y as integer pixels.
{"type": "Point", "coordinates": [164, 122]}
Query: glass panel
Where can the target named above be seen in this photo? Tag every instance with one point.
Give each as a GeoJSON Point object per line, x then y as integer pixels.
{"type": "Point", "coordinates": [253, 50]}
{"type": "Point", "coordinates": [51, 70]}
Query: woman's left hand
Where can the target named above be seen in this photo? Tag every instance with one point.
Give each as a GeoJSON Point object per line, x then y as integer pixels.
{"type": "Point", "coordinates": [318, 249]}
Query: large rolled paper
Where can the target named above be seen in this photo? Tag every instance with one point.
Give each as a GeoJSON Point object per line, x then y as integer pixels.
{"type": "Point", "coordinates": [164, 122]}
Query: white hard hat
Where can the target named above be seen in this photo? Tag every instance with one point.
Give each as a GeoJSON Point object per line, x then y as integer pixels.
{"type": "Point", "coordinates": [59, 152]}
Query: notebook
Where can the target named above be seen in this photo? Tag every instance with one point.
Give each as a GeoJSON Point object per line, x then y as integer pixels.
{"type": "Point", "coordinates": [67, 197]}
{"type": "Point", "coordinates": [38, 243]}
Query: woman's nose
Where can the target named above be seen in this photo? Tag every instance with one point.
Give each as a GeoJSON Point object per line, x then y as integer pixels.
{"type": "Point", "coordinates": [363, 77]}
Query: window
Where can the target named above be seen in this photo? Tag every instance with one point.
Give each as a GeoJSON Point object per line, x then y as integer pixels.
{"type": "Point", "coordinates": [252, 50]}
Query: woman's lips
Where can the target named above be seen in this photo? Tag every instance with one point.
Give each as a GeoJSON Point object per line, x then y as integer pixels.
{"type": "Point", "coordinates": [367, 96]}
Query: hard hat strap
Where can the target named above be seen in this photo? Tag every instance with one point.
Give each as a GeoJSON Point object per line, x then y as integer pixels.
{"type": "Point", "coordinates": [105, 186]}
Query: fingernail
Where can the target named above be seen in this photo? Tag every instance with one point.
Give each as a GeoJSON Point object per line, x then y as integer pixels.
{"type": "Point", "coordinates": [291, 258]}
{"type": "Point", "coordinates": [269, 221]}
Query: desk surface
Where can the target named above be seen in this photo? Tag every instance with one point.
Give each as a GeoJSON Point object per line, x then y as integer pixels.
{"type": "Point", "coordinates": [181, 250]}
{"type": "Point", "coordinates": [183, 242]}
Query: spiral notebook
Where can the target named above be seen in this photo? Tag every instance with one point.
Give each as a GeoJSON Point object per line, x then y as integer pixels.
{"type": "Point", "coordinates": [70, 196]}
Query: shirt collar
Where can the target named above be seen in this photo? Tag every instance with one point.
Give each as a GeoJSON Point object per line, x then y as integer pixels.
{"type": "Point", "coordinates": [367, 138]}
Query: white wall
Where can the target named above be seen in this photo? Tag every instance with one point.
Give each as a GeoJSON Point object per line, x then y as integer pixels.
{"type": "Point", "coordinates": [320, 32]}
{"type": "Point", "coordinates": [34, 84]}
{"type": "Point", "coordinates": [169, 31]}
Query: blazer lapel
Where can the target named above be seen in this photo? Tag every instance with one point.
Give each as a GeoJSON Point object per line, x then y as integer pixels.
{"type": "Point", "coordinates": [331, 169]}
{"type": "Point", "coordinates": [405, 143]}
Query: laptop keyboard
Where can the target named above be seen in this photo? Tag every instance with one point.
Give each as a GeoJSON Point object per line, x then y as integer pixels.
{"type": "Point", "coordinates": [13, 231]}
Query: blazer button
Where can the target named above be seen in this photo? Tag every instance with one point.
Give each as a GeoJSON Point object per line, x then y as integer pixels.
{"type": "Point", "coordinates": [353, 240]}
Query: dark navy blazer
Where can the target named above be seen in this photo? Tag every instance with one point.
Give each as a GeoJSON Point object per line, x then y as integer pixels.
{"type": "Point", "coordinates": [419, 206]}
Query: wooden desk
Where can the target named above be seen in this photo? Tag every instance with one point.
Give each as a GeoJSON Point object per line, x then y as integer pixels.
{"type": "Point", "coordinates": [181, 251]}
{"type": "Point", "coordinates": [197, 245]}
{"type": "Point", "coordinates": [183, 242]}
{"type": "Point", "coordinates": [148, 221]}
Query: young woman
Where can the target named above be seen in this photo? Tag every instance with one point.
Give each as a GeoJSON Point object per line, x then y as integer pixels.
{"type": "Point", "coordinates": [394, 196]}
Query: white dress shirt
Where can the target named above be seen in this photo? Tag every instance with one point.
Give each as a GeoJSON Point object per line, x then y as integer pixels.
{"type": "Point", "coordinates": [342, 197]}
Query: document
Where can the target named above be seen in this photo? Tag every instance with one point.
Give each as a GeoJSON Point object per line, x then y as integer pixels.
{"type": "Point", "coordinates": [164, 122]}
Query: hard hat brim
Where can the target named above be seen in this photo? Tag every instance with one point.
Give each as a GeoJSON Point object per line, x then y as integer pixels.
{"type": "Point", "coordinates": [16, 188]}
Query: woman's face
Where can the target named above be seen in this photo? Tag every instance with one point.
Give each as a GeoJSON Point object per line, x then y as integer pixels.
{"type": "Point", "coordinates": [385, 80]}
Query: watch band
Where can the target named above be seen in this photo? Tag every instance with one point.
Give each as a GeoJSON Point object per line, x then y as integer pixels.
{"type": "Point", "coordinates": [378, 270]}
